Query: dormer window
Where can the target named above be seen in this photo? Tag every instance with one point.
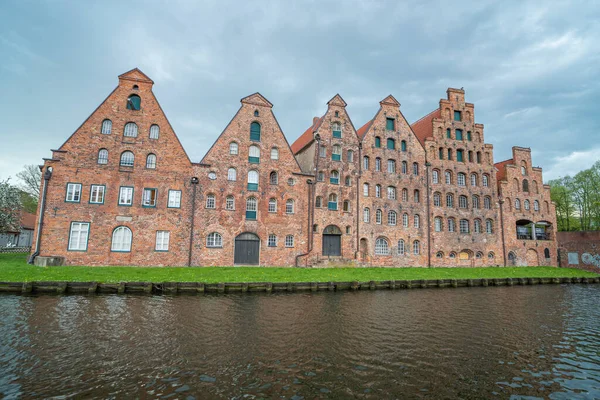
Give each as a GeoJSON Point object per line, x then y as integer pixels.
{"type": "Point", "coordinates": [134, 102]}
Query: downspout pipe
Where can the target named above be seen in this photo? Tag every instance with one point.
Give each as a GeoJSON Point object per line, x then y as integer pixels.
{"type": "Point", "coordinates": [40, 224]}
{"type": "Point", "coordinates": [427, 166]}
{"type": "Point", "coordinates": [358, 208]}
{"type": "Point", "coordinates": [194, 181]}
{"type": "Point", "coordinates": [501, 201]}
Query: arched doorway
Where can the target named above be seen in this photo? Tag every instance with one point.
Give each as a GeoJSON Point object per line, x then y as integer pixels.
{"type": "Point", "coordinates": [332, 241]}
{"type": "Point", "coordinates": [532, 258]}
{"type": "Point", "coordinates": [247, 248]}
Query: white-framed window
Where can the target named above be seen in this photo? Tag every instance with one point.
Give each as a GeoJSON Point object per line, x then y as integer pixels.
{"type": "Point", "coordinates": [449, 200]}
{"type": "Point", "coordinates": [473, 179]}
{"type": "Point", "coordinates": [382, 247]}
{"type": "Point", "coordinates": [272, 205]}
{"type": "Point", "coordinates": [451, 225]}
{"type": "Point", "coordinates": [365, 163]}
{"type": "Point", "coordinates": [149, 197]}
{"type": "Point", "coordinates": [526, 204]}
{"type": "Point", "coordinates": [127, 159]}
{"type": "Point", "coordinates": [475, 202]}
{"type": "Point", "coordinates": [416, 220]}
{"type": "Point", "coordinates": [230, 203]}
{"type": "Point", "coordinates": [350, 156]}
{"type": "Point", "coordinates": [322, 151]}
{"type": "Point", "coordinates": [448, 177]}
{"type": "Point", "coordinates": [536, 205]}
{"type": "Point", "coordinates": [437, 222]}
{"type": "Point", "coordinates": [214, 239]}
{"type": "Point", "coordinates": [131, 130]}
{"type": "Point", "coordinates": [391, 193]}
{"type": "Point", "coordinates": [125, 195]}
{"type": "Point", "coordinates": [106, 127]}
{"type": "Point", "coordinates": [517, 204]}
{"type": "Point", "coordinates": [151, 161]}
{"type": "Point", "coordinates": [272, 241]}
{"type": "Point", "coordinates": [404, 167]}
{"type": "Point", "coordinates": [477, 226]}
{"type": "Point", "coordinates": [391, 166]}
{"type": "Point", "coordinates": [174, 199]}
{"type": "Point", "coordinates": [415, 169]}
{"type": "Point", "coordinates": [461, 179]}
{"type": "Point", "coordinates": [392, 218]}
{"type": "Point", "coordinates": [366, 189]}
{"type": "Point", "coordinates": [103, 156]}
{"type": "Point", "coordinates": [435, 176]}
{"type": "Point", "coordinates": [489, 226]}
{"type": "Point", "coordinates": [378, 216]}
{"type": "Point", "coordinates": [97, 194]}
{"type": "Point", "coordinates": [485, 180]}
{"type": "Point", "coordinates": [289, 206]}
{"type": "Point", "coordinates": [274, 178]}
{"type": "Point", "coordinates": [254, 154]}
{"type": "Point", "coordinates": [437, 200]}
{"type": "Point", "coordinates": [253, 180]}
{"type": "Point", "coordinates": [404, 194]}
{"type": "Point", "coordinates": [233, 148]}
{"type": "Point", "coordinates": [121, 239]}
{"type": "Point", "coordinates": [464, 226]}
{"type": "Point", "coordinates": [487, 203]}
{"type": "Point", "coordinates": [319, 202]}
{"type": "Point", "coordinates": [462, 202]}
{"type": "Point", "coordinates": [154, 131]}
{"type": "Point", "coordinates": [336, 152]}
{"type": "Point", "coordinates": [210, 201]}
{"type": "Point", "coordinates": [377, 164]}
{"type": "Point", "coordinates": [366, 215]}
{"type": "Point", "coordinates": [73, 193]}
{"type": "Point", "coordinates": [162, 241]}
{"type": "Point", "coordinates": [378, 191]}
{"type": "Point", "coordinates": [78, 236]}
{"type": "Point", "coordinates": [274, 153]}
{"type": "Point", "coordinates": [405, 220]}
{"type": "Point", "coordinates": [289, 241]}
{"type": "Point", "coordinates": [401, 247]}
{"type": "Point", "coordinates": [231, 174]}
{"type": "Point", "coordinates": [416, 196]}
{"type": "Point", "coordinates": [416, 247]}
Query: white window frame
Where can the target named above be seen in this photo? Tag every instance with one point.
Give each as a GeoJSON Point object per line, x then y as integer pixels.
{"type": "Point", "coordinates": [232, 174]}
{"type": "Point", "coordinates": [214, 240]}
{"type": "Point", "coordinates": [211, 201]}
{"type": "Point", "coordinates": [230, 202]}
{"type": "Point", "coordinates": [382, 247]}
{"type": "Point", "coordinates": [78, 236]}
{"type": "Point", "coordinates": [126, 192]}
{"type": "Point", "coordinates": [106, 127]}
{"type": "Point", "coordinates": [130, 129]}
{"type": "Point", "coordinates": [289, 241]}
{"type": "Point", "coordinates": [102, 160]}
{"type": "Point", "coordinates": [73, 194]}
{"type": "Point", "coordinates": [289, 206]}
{"type": "Point", "coordinates": [121, 242]}
{"type": "Point", "coordinates": [272, 205]}
{"type": "Point", "coordinates": [174, 200]}
{"type": "Point", "coordinates": [154, 131]}
{"type": "Point", "coordinates": [147, 197]}
{"type": "Point", "coordinates": [234, 148]}
{"type": "Point", "coordinates": [162, 241]}
{"type": "Point", "coordinates": [274, 153]}
{"type": "Point", "coordinates": [272, 240]}
{"type": "Point", "coordinates": [98, 191]}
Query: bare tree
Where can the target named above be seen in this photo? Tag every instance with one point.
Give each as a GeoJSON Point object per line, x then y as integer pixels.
{"type": "Point", "coordinates": [30, 179]}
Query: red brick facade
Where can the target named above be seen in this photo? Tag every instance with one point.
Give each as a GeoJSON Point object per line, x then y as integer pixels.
{"type": "Point", "coordinates": [125, 194]}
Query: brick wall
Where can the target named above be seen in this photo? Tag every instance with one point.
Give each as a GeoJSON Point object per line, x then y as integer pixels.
{"type": "Point", "coordinates": [579, 250]}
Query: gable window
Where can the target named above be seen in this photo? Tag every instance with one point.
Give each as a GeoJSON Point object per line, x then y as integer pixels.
{"type": "Point", "coordinates": [460, 155]}
{"type": "Point", "coordinates": [233, 148]}
{"type": "Point", "coordinates": [390, 124]}
{"type": "Point", "coordinates": [231, 174]}
{"type": "Point", "coordinates": [382, 247]}
{"type": "Point", "coordinates": [254, 154]}
{"type": "Point", "coordinates": [131, 130]}
{"type": "Point", "coordinates": [378, 216]}
{"type": "Point", "coordinates": [350, 156]}
{"type": "Point", "coordinates": [415, 169]}
{"type": "Point", "coordinates": [366, 163]}
{"type": "Point", "coordinates": [149, 198]}
{"type": "Point", "coordinates": [134, 102]}
{"type": "Point", "coordinates": [377, 141]}
{"type": "Point", "coordinates": [448, 134]}
{"type": "Point", "coordinates": [106, 127]}
{"type": "Point", "coordinates": [404, 167]}
{"type": "Point", "coordinates": [127, 159]}
{"type": "Point", "coordinates": [78, 236]}
{"type": "Point", "coordinates": [255, 131]}
{"type": "Point", "coordinates": [487, 202]}
{"type": "Point", "coordinates": [274, 178]}
{"type": "Point", "coordinates": [214, 240]}
{"type": "Point", "coordinates": [253, 180]}
{"type": "Point", "coordinates": [272, 205]}
{"type": "Point", "coordinates": [459, 134]}
{"type": "Point", "coordinates": [121, 239]}
{"type": "Point", "coordinates": [289, 241]}
{"type": "Point", "coordinates": [391, 166]}
{"type": "Point", "coordinates": [289, 206]}
{"type": "Point", "coordinates": [366, 215]}
{"type": "Point", "coordinates": [274, 153]}
{"type": "Point", "coordinates": [97, 194]}
{"type": "Point", "coordinates": [154, 131]}
{"type": "Point", "coordinates": [336, 153]}
{"type": "Point", "coordinates": [162, 241]}
{"type": "Point", "coordinates": [272, 241]}
{"type": "Point", "coordinates": [251, 208]}
{"type": "Point", "coordinates": [332, 204]}
{"type": "Point", "coordinates": [103, 156]}
{"type": "Point", "coordinates": [377, 164]}
{"type": "Point", "coordinates": [337, 130]}
{"type": "Point", "coordinates": [457, 115]}
{"type": "Point", "coordinates": [151, 161]}
{"type": "Point", "coordinates": [469, 137]}
{"type": "Point", "coordinates": [403, 145]}
{"type": "Point", "coordinates": [73, 193]}
{"type": "Point", "coordinates": [125, 196]}
{"type": "Point", "coordinates": [461, 179]}
{"type": "Point", "coordinates": [391, 144]}
{"type": "Point", "coordinates": [334, 178]}
{"type": "Point", "coordinates": [174, 199]}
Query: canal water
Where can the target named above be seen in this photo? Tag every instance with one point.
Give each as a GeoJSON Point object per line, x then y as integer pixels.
{"type": "Point", "coordinates": [507, 342]}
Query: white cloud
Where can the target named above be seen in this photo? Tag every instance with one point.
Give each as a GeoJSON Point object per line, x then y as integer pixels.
{"type": "Point", "coordinates": [572, 163]}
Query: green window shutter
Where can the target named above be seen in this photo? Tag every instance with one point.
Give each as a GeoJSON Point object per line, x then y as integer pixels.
{"type": "Point", "coordinates": [253, 187]}
{"type": "Point", "coordinates": [255, 131]}
{"type": "Point", "coordinates": [334, 181]}
{"type": "Point", "coordinates": [457, 116]}
{"type": "Point", "coordinates": [403, 145]}
{"type": "Point", "coordinates": [391, 144]}
{"type": "Point", "coordinates": [254, 160]}
{"type": "Point", "coordinates": [377, 142]}
{"type": "Point", "coordinates": [389, 124]}
{"type": "Point", "coordinates": [250, 214]}
{"type": "Point", "coordinates": [332, 205]}
{"type": "Point", "coordinates": [459, 135]}
{"type": "Point", "coordinates": [337, 134]}
{"type": "Point", "coordinates": [469, 138]}
{"type": "Point", "coordinates": [448, 134]}
{"type": "Point", "coordinates": [459, 155]}
{"type": "Point", "coordinates": [336, 157]}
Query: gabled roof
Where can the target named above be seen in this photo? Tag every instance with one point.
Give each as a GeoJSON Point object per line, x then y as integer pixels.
{"type": "Point", "coordinates": [307, 137]}
{"type": "Point", "coordinates": [362, 131]}
{"type": "Point", "coordinates": [136, 75]}
{"type": "Point", "coordinates": [27, 220]}
{"type": "Point", "coordinates": [423, 128]}
{"type": "Point", "coordinates": [257, 99]}
{"type": "Point", "coordinates": [501, 167]}
{"type": "Point", "coordinates": [337, 101]}
{"type": "Point", "coordinates": [390, 100]}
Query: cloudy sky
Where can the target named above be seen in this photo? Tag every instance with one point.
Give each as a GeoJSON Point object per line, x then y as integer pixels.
{"type": "Point", "coordinates": [531, 68]}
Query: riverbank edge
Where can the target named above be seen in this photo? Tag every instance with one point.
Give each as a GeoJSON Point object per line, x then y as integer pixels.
{"type": "Point", "coordinates": [270, 287]}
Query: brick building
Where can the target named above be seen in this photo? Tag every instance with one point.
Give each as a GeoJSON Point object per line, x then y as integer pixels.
{"type": "Point", "coordinates": [122, 191]}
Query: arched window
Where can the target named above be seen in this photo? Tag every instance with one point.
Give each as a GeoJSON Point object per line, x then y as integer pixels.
{"type": "Point", "coordinates": [485, 180]}
{"type": "Point", "coordinates": [478, 255]}
{"type": "Point", "coordinates": [319, 202]}
{"type": "Point", "coordinates": [382, 247]}
{"type": "Point", "coordinates": [272, 240]}
{"type": "Point", "coordinates": [526, 204]}
{"type": "Point", "coordinates": [233, 148]}
{"type": "Point", "coordinates": [473, 179]}
{"type": "Point", "coordinates": [441, 153]}
{"type": "Point", "coordinates": [365, 189]}
{"type": "Point", "coordinates": [449, 200]}
{"type": "Point", "coordinates": [461, 179]}
{"type": "Point", "coordinates": [106, 127]}
{"type": "Point", "coordinates": [416, 247]}
{"type": "Point", "coordinates": [274, 153]}
{"type": "Point", "coordinates": [127, 159]}
{"type": "Point", "coordinates": [403, 145]}
{"type": "Point", "coordinates": [131, 130]}
{"type": "Point", "coordinates": [487, 202]}
{"type": "Point", "coordinates": [254, 154]}
{"type": "Point", "coordinates": [366, 163]}
{"type": "Point", "coordinates": [469, 137]}
{"type": "Point", "coordinates": [332, 203]}
{"type": "Point", "coordinates": [334, 179]}
{"type": "Point", "coordinates": [458, 134]}
{"type": "Point", "coordinates": [211, 201]}
{"type": "Point", "coordinates": [452, 255]}
{"type": "Point", "coordinates": [377, 141]}
{"type": "Point", "coordinates": [346, 207]}
{"type": "Point", "coordinates": [525, 185]}
{"type": "Point", "coordinates": [523, 168]}
{"type": "Point", "coordinates": [477, 225]}
{"type": "Point", "coordinates": [404, 194]}
{"type": "Point", "coordinates": [336, 152]}
{"type": "Point", "coordinates": [415, 169]}
{"type": "Point", "coordinates": [401, 247]}
{"type": "Point", "coordinates": [512, 258]}
{"type": "Point", "coordinates": [214, 240]}
{"type": "Point", "coordinates": [366, 215]}
{"type": "Point", "coordinates": [273, 178]}
{"type": "Point", "coordinates": [464, 226]}
{"type": "Point", "coordinates": [121, 239]}
{"type": "Point", "coordinates": [437, 223]}
{"type": "Point", "coordinates": [251, 206]}
{"type": "Point", "coordinates": [451, 225]}
{"type": "Point", "coordinates": [253, 180]}
{"type": "Point", "coordinates": [103, 156]}
{"type": "Point", "coordinates": [475, 202]}
{"type": "Point", "coordinates": [154, 131]}
{"type": "Point", "coordinates": [256, 113]}
{"type": "Point", "coordinates": [435, 176]}
{"type": "Point", "coordinates": [350, 156]}
{"type": "Point", "coordinates": [489, 226]}
{"type": "Point", "coordinates": [404, 167]}
{"type": "Point", "coordinates": [546, 253]}
{"type": "Point", "coordinates": [348, 180]}
{"type": "Point", "coordinates": [272, 205]}
{"type": "Point", "coordinates": [448, 177]}
{"type": "Point", "coordinates": [491, 255]}
{"type": "Point", "coordinates": [536, 205]}
{"type": "Point", "coordinates": [336, 130]}
{"type": "Point", "coordinates": [255, 131]}
{"type": "Point", "coordinates": [392, 218]}
{"type": "Point", "coordinates": [321, 176]}
{"type": "Point", "coordinates": [231, 174]}
{"type": "Point", "coordinates": [151, 161]}
{"type": "Point", "coordinates": [377, 164]}
{"type": "Point", "coordinates": [391, 166]}
{"type": "Point", "coordinates": [391, 193]}
{"type": "Point", "coordinates": [230, 203]}
{"type": "Point", "coordinates": [517, 204]}
{"type": "Point", "coordinates": [448, 134]}
{"type": "Point", "coordinates": [416, 196]}
{"type": "Point", "coordinates": [437, 199]}
{"type": "Point", "coordinates": [378, 216]}
{"type": "Point", "coordinates": [391, 144]}
{"type": "Point", "coordinates": [405, 220]}
{"type": "Point", "coordinates": [289, 206]}
{"type": "Point", "coordinates": [462, 202]}
{"type": "Point", "coordinates": [439, 254]}
{"type": "Point", "coordinates": [134, 102]}
{"type": "Point", "coordinates": [449, 154]}
{"type": "Point", "coordinates": [378, 191]}
{"type": "Point", "coordinates": [416, 221]}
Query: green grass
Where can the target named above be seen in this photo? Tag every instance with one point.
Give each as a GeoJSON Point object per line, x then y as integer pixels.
{"type": "Point", "coordinates": [13, 268]}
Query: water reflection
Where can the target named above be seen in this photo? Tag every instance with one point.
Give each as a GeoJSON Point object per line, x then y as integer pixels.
{"type": "Point", "coordinates": [538, 341]}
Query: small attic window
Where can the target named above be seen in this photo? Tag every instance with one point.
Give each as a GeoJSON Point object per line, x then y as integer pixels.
{"type": "Point", "coordinates": [337, 113]}
{"type": "Point", "coordinates": [135, 87]}
{"type": "Point", "coordinates": [134, 102]}
{"type": "Point", "coordinates": [256, 114]}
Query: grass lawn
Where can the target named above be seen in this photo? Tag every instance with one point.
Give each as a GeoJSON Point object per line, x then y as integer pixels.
{"type": "Point", "coordinates": [14, 268]}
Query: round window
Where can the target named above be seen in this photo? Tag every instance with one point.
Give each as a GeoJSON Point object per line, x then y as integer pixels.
{"type": "Point", "coordinates": [212, 175]}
